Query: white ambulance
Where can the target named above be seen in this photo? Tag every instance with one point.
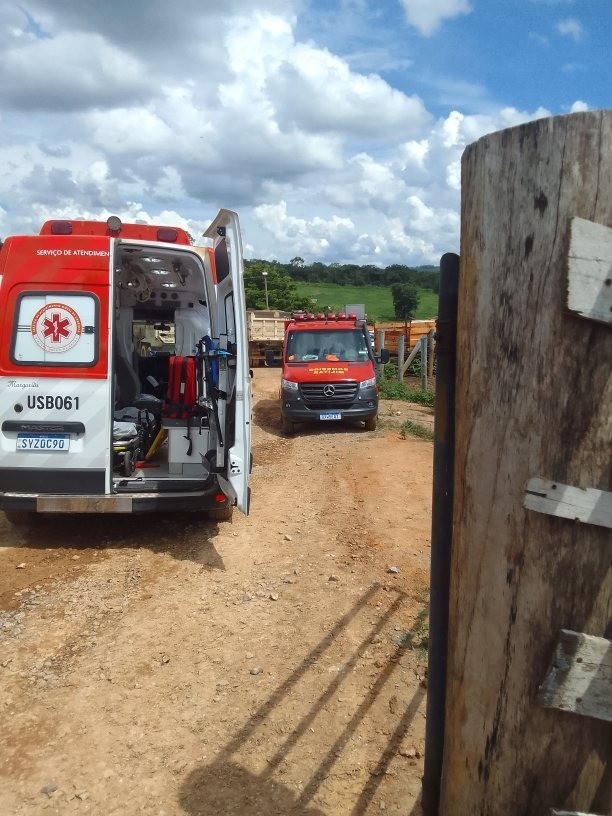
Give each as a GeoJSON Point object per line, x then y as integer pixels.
{"type": "Point", "coordinates": [95, 419]}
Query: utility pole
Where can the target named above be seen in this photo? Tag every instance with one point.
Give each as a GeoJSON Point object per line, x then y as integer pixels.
{"type": "Point", "coordinates": [265, 277]}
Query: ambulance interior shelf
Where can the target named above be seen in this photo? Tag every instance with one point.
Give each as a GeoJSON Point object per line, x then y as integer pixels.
{"type": "Point", "coordinates": [183, 419]}
{"type": "Point", "coordinates": [193, 391]}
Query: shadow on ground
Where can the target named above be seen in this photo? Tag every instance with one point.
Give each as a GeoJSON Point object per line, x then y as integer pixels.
{"type": "Point", "coordinates": [266, 415]}
{"type": "Point", "coordinates": [225, 787]}
{"type": "Point", "coordinates": [184, 537]}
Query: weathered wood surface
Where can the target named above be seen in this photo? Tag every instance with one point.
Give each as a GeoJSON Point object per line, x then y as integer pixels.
{"type": "Point", "coordinates": [589, 271]}
{"type": "Point", "coordinates": [589, 506]}
{"type": "Point", "coordinates": [534, 396]}
{"type": "Point", "coordinates": [579, 678]}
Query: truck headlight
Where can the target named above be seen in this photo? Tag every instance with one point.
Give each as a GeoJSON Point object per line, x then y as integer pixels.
{"type": "Point", "coordinates": [368, 383]}
{"type": "Point", "coordinates": [288, 385]}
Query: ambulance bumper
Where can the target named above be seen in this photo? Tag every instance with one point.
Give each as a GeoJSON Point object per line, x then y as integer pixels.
{"type": "Point", "coordinates": [166, 502]}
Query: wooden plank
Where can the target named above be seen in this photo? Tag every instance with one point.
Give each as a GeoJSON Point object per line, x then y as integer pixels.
{"type": "Point", "coordinates": [410, 358]}
{"type": "Point", "coordinates": [579, 678]}
{"type": "Point", "coordinates": [590, 506]}
{"type": "Point", "coordinates": [589, 271]}
{"type": "Point", "coordinates": [554, 812]}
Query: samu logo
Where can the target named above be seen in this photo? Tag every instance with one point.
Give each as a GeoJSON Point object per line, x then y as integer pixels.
{"type": "Point", "coordinates": [56, 328]}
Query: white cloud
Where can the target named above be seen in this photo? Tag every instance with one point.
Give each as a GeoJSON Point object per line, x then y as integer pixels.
{"type": "Point", "coordinates": [428, 15]}
{"type": "Point", "coordinates": [70, 72]}
{"type": "Point", "coordinates": [571, 27]}
{"type": "Point", "coordinates": [579, 107]}
{"type": "Point", "coordinates": [317, 91]}
{"type": "Point", "coordinates": [300, 235]}
{"type": "Point", "coordinates": [318, 158]}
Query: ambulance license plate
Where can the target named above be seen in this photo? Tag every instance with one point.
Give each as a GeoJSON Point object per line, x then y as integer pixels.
{"type": "Point", "coordinates": [48, 443]}
{"type": "Point", "coordinates": [330, 415]}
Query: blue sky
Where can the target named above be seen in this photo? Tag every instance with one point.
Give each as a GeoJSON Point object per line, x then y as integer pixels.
{"type": "Point", "coordinates": [524, 53]}
{"type": "Point", "coordinates": [334, 128]}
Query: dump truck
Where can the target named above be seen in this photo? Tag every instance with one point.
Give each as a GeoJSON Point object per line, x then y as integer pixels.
{"type": "Point", "coordinates": [266, 330]}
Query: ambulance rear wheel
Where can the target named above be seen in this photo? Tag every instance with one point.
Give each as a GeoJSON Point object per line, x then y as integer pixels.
{"type": "Point", "coordinates": [287, 425]}
{"type": "Point", "coordinates": [370, 423]}
{"type": "Point", "coordinates": [19, 518]}
{"type": "Point", "coordinates": [221, 513]}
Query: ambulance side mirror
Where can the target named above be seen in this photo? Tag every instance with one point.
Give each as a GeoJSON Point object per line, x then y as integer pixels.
{"type": "Point", "coordinates": [383, 357]}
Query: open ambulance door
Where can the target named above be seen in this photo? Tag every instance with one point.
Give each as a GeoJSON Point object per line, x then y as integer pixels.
{"type": "Point", "coordinates": [234, 403]}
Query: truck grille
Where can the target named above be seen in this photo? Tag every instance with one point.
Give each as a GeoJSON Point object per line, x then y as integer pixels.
{"type": "Point", "coordinates": [320, 395]}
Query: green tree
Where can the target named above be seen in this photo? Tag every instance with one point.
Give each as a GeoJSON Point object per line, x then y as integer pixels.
{"type": "Point", "coordinates": [405, 300]}
{"type": "Point", "coordinates": [282, 293]}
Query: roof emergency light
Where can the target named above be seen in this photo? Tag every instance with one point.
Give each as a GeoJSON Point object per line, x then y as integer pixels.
{"type": "Point", "coordinates": [331, 316]}
{"type": "Point", "coordinates": [320, 316]}
{"type": "Point", "coordinates": [61, 228]}
{"type": "Point", "coordinates": [167, 234]}
{"type": "Point", "coordinates": [341, 316]}
{"type": "Point", "coordinates": [113, 223]}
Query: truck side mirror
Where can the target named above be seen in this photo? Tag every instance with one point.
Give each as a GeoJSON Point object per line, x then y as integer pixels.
{"type": "Point", "coordinates": [269, 357]}
{"type": "Point", "coordinates": [384, 356]}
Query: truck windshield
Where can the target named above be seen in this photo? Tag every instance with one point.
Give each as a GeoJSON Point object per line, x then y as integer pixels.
{"type": "Point", "coordinates": [347, 345]}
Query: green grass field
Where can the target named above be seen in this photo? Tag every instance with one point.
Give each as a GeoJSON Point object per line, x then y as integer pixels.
{"type": "Point", "coordinates": [377, 299]}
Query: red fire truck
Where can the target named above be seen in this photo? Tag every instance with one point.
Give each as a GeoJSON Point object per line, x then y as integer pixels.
{"type": "Point", "coordinates": [328, 371]}
{"type": "Point", "coordinates": [92, 419]}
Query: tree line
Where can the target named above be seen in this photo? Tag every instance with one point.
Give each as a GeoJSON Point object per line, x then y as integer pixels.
{"type": "Point", "coordinates": [279, 280]}
{"type": "Point", "coordinates": [423, 277]}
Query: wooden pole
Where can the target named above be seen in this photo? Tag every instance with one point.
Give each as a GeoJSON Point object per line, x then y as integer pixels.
{"type": "Point", "coordinates": [530, 403]}
{"type": "Point", "coordinates": [423, 343]}
{"type": "Point", "coordinates": [380, 344]}
{"type": "Point", "coordinates": [430, 354]}
{"type": "Point", "coordinates": [400, 357]}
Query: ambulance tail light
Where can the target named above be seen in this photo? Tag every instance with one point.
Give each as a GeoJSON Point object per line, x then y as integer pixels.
{"type": "Point", "coordinates": [61, 228]}
{"type": "Point", "coordinates": [220, 497]}
{"type": "Point", "coordinates": [167, 234]}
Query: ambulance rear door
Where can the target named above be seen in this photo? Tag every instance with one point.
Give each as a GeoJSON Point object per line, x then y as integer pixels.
{"type": "Point", "coordinates": [233, 453]}
{"type": "Point", "coordinates": [55, 388]}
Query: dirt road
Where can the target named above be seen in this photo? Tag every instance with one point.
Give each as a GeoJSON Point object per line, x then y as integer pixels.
{"type": "Point", "coordinates": [163, 666]}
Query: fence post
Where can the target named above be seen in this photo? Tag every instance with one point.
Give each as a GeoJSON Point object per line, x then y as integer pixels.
{"type": "Point", "coordinates": [380, 344]}
{"type": "Point", "coordinates": [430, 354]}
{"type": "Point", "coordinates": [530, 404]}
{"type": "Point", "coordinates": [400, 356]}
{"type": "Point", "coordinates": [423, 342]}
{"type": "Point", "coordinates": [441, 530]}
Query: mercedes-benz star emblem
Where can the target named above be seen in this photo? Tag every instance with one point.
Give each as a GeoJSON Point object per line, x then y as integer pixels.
{"type": "Point", "coordinates": [329, 390]}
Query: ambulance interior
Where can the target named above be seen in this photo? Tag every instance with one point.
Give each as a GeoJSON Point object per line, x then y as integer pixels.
{"type": "Point", "coordinates": [161, 314]}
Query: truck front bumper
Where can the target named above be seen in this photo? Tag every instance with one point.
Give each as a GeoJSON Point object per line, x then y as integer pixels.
{"type": "Point", "coordinates": [295, 409]}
